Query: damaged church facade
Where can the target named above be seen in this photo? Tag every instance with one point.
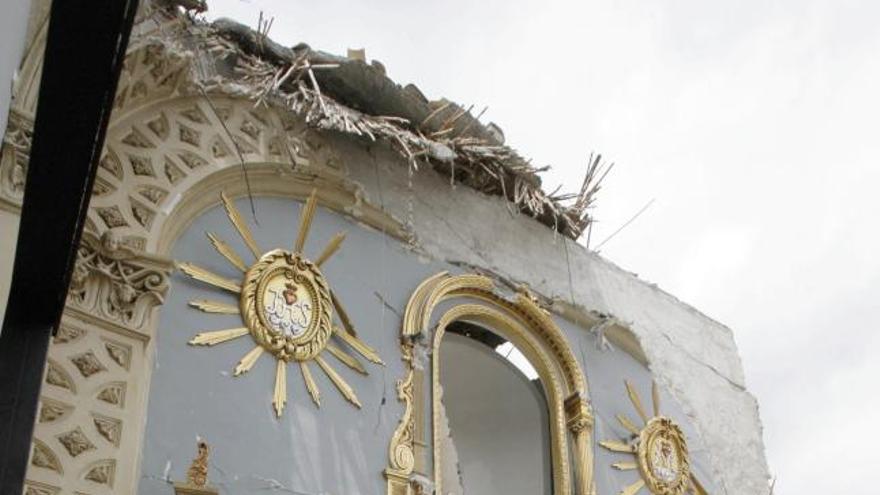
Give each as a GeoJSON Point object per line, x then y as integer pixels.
{"type": "Point", "coordinates": [298, 276]}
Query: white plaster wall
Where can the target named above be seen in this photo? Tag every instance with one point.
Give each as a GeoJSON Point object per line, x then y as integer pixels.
{"type": "Point", "coordinates": [692, 355]}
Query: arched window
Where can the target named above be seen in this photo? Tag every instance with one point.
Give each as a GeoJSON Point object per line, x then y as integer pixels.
{"type": "Point", "coordinates": [494, 431]}
{"type": "Point", "coordinates": [472, 300]}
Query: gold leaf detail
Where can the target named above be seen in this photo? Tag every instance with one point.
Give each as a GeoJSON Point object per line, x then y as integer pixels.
{"type": "Point", "coordinates": [247, 362]}
{"type": "Point", "coordinates": [337, 380]}
{"type": "Point", "coordinates": [311, 386]}
{"type": "Point", "coordinates": [208, 277]}
{"type": "Point", "coordinates": [279, 399]}
{"type": "Point", "coordinates": [218, 336]}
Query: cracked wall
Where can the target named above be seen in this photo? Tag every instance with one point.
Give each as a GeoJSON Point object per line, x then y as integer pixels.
{"type": "Point", "coordinates": [691, 354]}
{"type": "Point", "coordinates": [335, 449]}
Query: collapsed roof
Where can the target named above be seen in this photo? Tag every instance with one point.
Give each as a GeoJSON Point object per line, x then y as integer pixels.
{"type": "Point", "coordinates": [348, 95]}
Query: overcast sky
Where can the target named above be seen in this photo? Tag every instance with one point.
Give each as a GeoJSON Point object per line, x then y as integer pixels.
{"type": "Point", "coordinates": [753, 125]}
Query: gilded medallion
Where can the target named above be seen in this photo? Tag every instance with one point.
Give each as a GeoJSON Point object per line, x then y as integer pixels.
{"type": "Point", "coordinates": [287, 308]}
{"type": "Point", "coordinates": [659, 449]}
{"type": "Point", "coordinates": [286, 304]}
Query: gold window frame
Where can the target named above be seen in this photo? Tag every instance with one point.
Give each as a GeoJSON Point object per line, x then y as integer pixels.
{"type": "Point", "coordinates": [529, 327]}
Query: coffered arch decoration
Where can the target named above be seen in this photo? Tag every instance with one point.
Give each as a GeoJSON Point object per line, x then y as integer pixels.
{"type": "Point", "coordinates": [528, 326]}
{"type": "Point", "coordinates": [171, 147]}
{"type": "Point", "coordinates": [156, 155]}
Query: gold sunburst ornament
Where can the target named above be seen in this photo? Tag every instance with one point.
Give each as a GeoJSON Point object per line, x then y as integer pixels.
{"type": "Point", "coordinates": [659, 450]}
{"type": "Point", "coordinates": [286, 307]}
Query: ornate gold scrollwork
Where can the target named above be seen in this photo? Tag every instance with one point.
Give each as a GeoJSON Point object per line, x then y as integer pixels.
{"type": "Point", "coordinates": [197, 475]}
{"type": "Point", "coordinates": [401, 451]}
{"type": "Point", "coordinates": [284, 272]}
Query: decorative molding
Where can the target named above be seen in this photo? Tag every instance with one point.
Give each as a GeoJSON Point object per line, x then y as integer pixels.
{"type": "Point", "coordinates": [658, 447]}
{"type": "Point", "coordinates": [286, 307]}
{"type": "Point", "coordinates": [15, 153]}
{"type": "Point", "coordinates": [154, 155]}
{"type": "Point", "coordinates": [102, 472]}
{"type": "Point", "coordinates": [43, 457]}
{"type": "Point", "coordinates": [87, 363]}
{"type": "Point", "coordinates": [530, 327]}
{"type": "Point", "coordinates": [197, 475]}
{"type": "Point", "coordinates": [165, 144]}
{"type": "Point", "coordinates": [53, 410]}
{"type": "Point", "coordinates": [76, 442]}
{"type": "Point", "coordinates": [118, 352]}
{"type": "Point", "coordinates": [58, 376]}
{"type": "Point", "coordinates": [113, 282]}
{"type": "Point", "coordinates": [107, 427]}
{"type": "Point", "coordinates": [401, 450]}
{"type": "Point", "coordinates": [89, 426]}
{"type": "Point", "coordinates": [67, 334]}
{"type": "Point", "coordinates": [113, 393]}
{"type": "Point", "coordinates": [33, 488]}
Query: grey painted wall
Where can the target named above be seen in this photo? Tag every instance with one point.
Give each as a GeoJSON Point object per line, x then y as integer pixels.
{"type": "Point", "coordinates": [606, 371]}
{"type": "Point", "coordinates": [498, 421]}
{"type": "Point", "coordinates": [13, 28]}
{"type": "Point", "coordinates": [692, 355]}
{"type": "Point", "coordinates": [336, 449]}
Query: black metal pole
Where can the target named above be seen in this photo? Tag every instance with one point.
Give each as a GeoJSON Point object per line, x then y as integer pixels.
{"type": "Point", "coordinates": [85, 49]}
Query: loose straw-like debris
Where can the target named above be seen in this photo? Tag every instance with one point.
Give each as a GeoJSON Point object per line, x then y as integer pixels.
{"type": "Point", "coordinates": [285, 78]}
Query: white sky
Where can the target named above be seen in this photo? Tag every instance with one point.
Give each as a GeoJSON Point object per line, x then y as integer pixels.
{"type": "Point", "coordinates": [754, 124]}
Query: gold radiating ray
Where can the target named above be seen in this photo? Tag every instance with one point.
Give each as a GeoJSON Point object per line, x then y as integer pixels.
{"type": "Point", "coordinates": [615, 446]}
{"type": "Point", "coordinates": [239, 224]}
{"type": "Point", "coordinates": [636, 401]}
{"type": "Point", "coordinates": [331, 248]}
{"type": "Point", "coordinates": [625, 466]}
{"type": "Point", "coordinates": [337, 380]}
{"type": "Point", "coordinates": [208, 277]}
{"type": "Point", "coordinates": [349, 361]}
{"type": "Point", "coordinates": [215, 307]}
{"type": "Point", "coordinates": [279, 399]}
{"type": "Point", "coordinates": [227, 252]}
{"type": "Point", "coordinates": [634, 488]}
{"type": "Point", "coordinates": [697, 486]}
{"type": "Point", "coordinates": [627, 423]}
{"type": "Point", "coordinates": [248, 361]}
{"type": "Point", "coordinates": [655, 398]}
{"type": "Point", "coordinates": [363, 349]}
{"type": "Point", "coordinates": [343, 315]}
{"type": "Point", "coordinates": [305, 221]}
{"type": "Point", "coordinates": [218, 336]}
{"type": "Point", "coordinates": [311, 386]}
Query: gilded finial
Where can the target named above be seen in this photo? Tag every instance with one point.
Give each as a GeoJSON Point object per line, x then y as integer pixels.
{"type": "Point", "coordinates": [197, 475]}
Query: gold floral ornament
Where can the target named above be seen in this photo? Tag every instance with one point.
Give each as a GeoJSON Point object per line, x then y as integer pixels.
{"type": "Point", "coordinates": [197, 475]}
{"type": "Point", "coordinates": [659, 450]}
{"type": "Point", "coordinates": [286, 306]}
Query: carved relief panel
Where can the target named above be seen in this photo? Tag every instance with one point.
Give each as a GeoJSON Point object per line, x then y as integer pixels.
{"type": "Point", "coordinates": [90, 412]}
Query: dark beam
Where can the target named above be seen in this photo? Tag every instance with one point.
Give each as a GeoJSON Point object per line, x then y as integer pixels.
{"type": "Point", "coordinates": [85, 49]}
